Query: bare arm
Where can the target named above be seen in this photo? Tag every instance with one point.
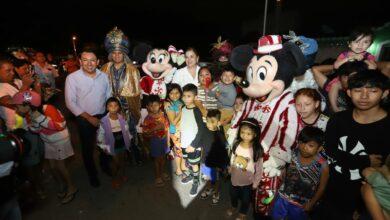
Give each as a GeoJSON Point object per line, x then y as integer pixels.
{"type": "Point", "coordinates": [340, 62]}
{"type": "Point", "coordinates": [333, 95]}
{"type": "Point", "coordinates": [321, 189]}
{"type": "Point", "coordinates": [384, 67]}
{"type": "Point", "coordinates": [320, 73]}
{"type": "Point", "coordinates": [6, 101]}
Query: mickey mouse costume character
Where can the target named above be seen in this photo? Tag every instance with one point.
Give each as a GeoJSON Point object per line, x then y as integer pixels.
{"type": "Point", "coordinates": [159, 68]}
{"type": "Point", "coordinates": [272, 67]}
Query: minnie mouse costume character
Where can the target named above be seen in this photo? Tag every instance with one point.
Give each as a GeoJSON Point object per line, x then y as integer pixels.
{"type": "Point", "coordinates": [159, 67]}
{"type": "Point", "coordinates": [272, 67]}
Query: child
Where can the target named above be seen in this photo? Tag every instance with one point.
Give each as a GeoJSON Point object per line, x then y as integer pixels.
{"type": "Point", "coordinates": [359, 41]}
{"type": "Point", "coordinates": [246, 166]}
{"type": "Point", "coordinates": [214, 158]}
{"type": "Point", "coordinates": [51, 126]}
{"type": "Point", "coordinates": [207, 89]}
{"type": "Point", "coordinates": [376, 192]}
{"type": "Point", "coordinates": [308, 105]}
{"type": "Point", "coordinates": [114, 138]}
{"type": "Point", "coordinates": [238, 107]}
{"type": "Point", "coordinates": [173, 110]}
{"type": "Point", "coordinates": [226, 95]}
{"type": "Point", "coordinates": [191, 123]}
{"type": "Point", "coordinates": [305, 178]}
{"type": "Point", "coordinates": [155, 129]}
{"type": "Point", "coordinates": [356, 139]}
{"type": "Point", "coordinates": [336, 91]}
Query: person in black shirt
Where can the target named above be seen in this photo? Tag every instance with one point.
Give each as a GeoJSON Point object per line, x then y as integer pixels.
{"type": "Point", "coordinates": [356, 139]}
{"type": "Point", "coordinates": [214, 158]}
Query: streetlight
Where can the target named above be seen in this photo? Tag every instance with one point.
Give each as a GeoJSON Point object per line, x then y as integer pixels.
{"type": "Point", "coordinates": [265, 16]}
{"type": "Point", "coordinates": [74, 45]}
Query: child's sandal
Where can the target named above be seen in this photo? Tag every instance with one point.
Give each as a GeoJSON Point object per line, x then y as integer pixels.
{"type": "Point", "coordinates": [206, 193]}
{"type": "Point", "coordinates": [165, 177]}
{"type": "Point", "coordinates": [230, 212]}
{"type": "Point", "coordinates": [159, 183]}
{"type": "Point", "coordinates": [215, 199]}
{"type": "Point", "coordinates": [241, 217]}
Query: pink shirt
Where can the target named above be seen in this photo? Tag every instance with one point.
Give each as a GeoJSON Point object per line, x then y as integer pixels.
{"type": "Point", "coordinates": [244, 171]}
{"type": "Point", "coordinates": [366, 55]}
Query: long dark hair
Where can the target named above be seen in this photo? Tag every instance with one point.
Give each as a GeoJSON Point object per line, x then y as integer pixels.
{"type": "Point", "coordinates": [252, 124]}
{"type": "Point", "coordinates": [171, 87]}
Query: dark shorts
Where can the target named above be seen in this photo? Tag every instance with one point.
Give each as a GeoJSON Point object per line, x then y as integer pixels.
{"type": "Point", "coordinates": [192, 158]}
{"type": "Point", "coordinates": [158, 147]}
{"type": "Point", "coordinates": [120, 146]}
{"type": "Point", "coordinates": [283, 209]}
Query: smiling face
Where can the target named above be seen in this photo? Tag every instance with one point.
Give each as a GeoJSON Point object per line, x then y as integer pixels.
{"type": "Point", "coordinates": [157, 64]}
{"type": "Point", "coordinates": [89, 62]}
{"type": "Point", "coordinates": [260, 75]}
{"type": "Point", "coordinates": [191, 58]}
{"type": "Point", "coordinates": [227, 77]}
{"type": "Point", "coordinates": [174, 95]}
{"type": "Point", "coordinates": [117, 56]}
{"type": "Point", "coordinates": [6, 72]}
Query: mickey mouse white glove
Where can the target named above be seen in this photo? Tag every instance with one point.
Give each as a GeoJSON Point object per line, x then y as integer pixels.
{"type": "Point", "coordinates": [277, 159]}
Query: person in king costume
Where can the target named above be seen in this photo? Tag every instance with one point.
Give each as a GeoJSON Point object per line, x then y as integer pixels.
{"type": "Point", "coordinates": [124, 79]}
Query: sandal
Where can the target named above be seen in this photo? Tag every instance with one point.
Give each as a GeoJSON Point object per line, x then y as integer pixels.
{"type": "Point", "coordinates": [61, 195]}
{"type": "Point", "coordinates": [115, 184]}
{"type": "Point", "coordinates": [69, 197]}
{"type": "Point", "coordinates": [215, 199]}
{"type": "Point", "coordinates": [231, 211]}
{"type": "Point", "coordinates": [241, 217]}
{"type": "Point", "coordinates": [206, 193]}
{"type": "Point", "coordinates": [159, 182]}
{"type": "Point", "coordinates": [165, 177]}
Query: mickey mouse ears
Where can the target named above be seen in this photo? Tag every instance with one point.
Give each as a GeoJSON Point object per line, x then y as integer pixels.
{"type": "Point", "coordinates": [140, 52]}
{"type": "Point", "coordinates": [240, 57]}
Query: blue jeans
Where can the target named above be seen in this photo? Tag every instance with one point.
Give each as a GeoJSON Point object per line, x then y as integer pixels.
{"type": "Point", "coordinates": [10, 210]}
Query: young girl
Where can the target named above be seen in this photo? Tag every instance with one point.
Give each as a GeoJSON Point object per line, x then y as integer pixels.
{"type": "Point", "coordinates": [245, 166]}
{"type": "Point", "coordinates": [114, 138]}
{"type": "Point", "coordinates": [206, 90]}
{"type": "Point", "coordinates": [359, 41]}
{"type": "Point", "coordinates": [173, 109]}
{"type": "Point", "coordinates": [308, 105]}
{"type": "Point", "coordinates": [51, 126]}
{"type": "Point", "coordinates": [155, 129]}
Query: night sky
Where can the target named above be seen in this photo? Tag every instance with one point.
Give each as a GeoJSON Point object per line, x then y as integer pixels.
{"type": "Point", "coordinates": [49, 26]}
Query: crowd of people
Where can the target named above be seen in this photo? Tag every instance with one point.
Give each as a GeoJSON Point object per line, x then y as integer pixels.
{"type": "Point", "coordinates": [338, 163]}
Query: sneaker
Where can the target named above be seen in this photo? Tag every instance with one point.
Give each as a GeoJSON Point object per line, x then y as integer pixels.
{"type": "Point", "coordinates": [187, 179]}
{"type": "Point", "coordinates": [194, 189]}
{"type": "Point", "coordinates": [206, 193]}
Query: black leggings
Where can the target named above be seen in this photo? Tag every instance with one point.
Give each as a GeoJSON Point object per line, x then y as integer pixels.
{"type": "Point", "coordinates": [243, 193]}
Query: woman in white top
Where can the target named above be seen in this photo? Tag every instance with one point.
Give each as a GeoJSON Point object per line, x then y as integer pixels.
{"type": "Point", "coordinates": [189, 73]}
